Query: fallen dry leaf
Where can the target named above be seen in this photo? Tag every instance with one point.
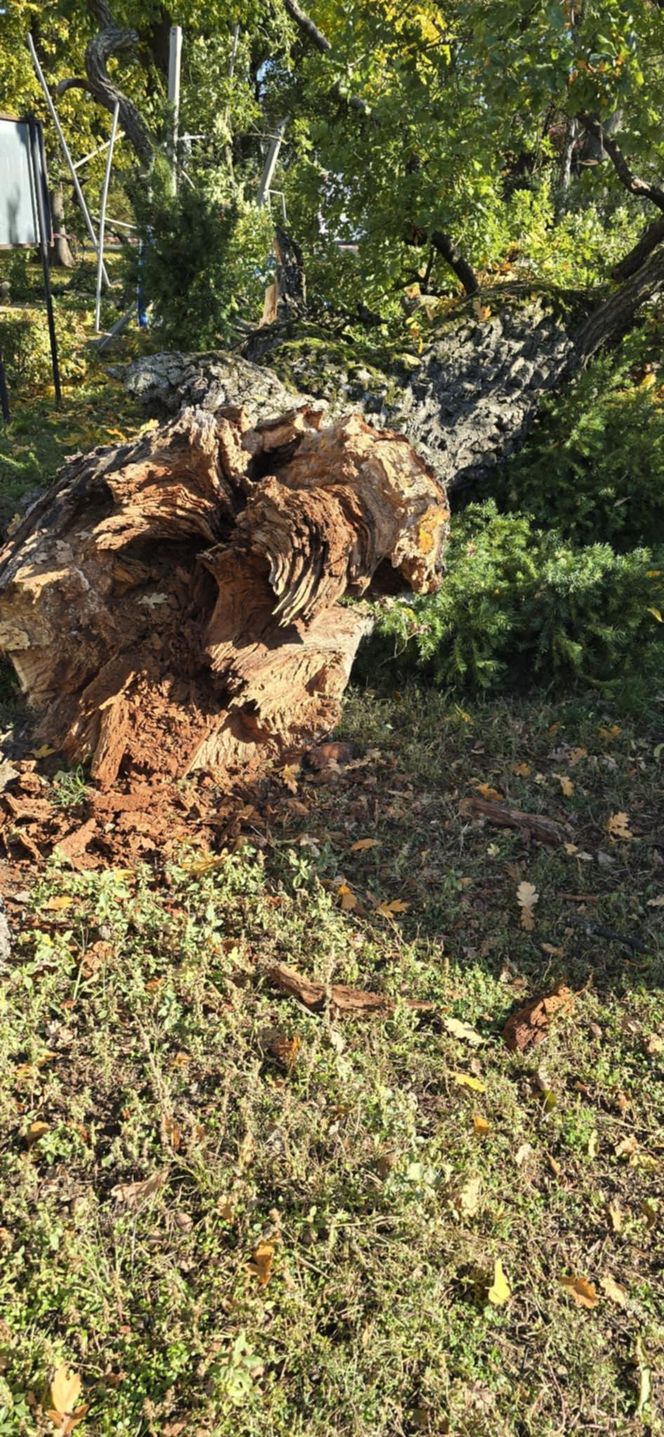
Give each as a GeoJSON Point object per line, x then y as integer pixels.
{"type": "Point", "coordinates": [262, 1261]}
{"type": "Point", "coordinates": [627, 1147]}
{"type": "Point", "coordinates": [530, 1024]}
{"type": "Point", "coordinates": [656, 902]}
{"type": "Point", "coordinates": [645, 1378]}
{"type": "Point", "coordinates": [650, 1209]}
{"type": "Point", "coordinates": [522, 770]}
{"type": "Point", "coordinates": [487, 791]}
{"type": "Point", "coordinates": [131, 1194]}
{"type": "Point", "coordinates": [566, 784]}
{"type": "Point", "coordinates": [35, 1132]}
{"type": "Point", "coordinates": [65, 1389]}
{"type": "Point", "coordinates": [465, 1081]}
{"type": "Point", "coordinates": [526, 897]}
{"type": "Point", "coordinates": [283, 1047]}
{"type": "Point", "coordinates": [618, 826]}
{"type": "Point", "coordinates": [347, 898]}
{"type": "Point", "coordinates": [461, 1030]}
{"type": "Point", "coordinates": [593, 1144]}
{"type": "Point", "coordinates": [613, 1290]}
{"type": "Point", "coordinates": [388, 909]}
{"type": "Point", "coordinates": [467, 1199]}
{"type": "Point", "coordinates": [654, 1045]}
{"type": "Point", "coordinates": [615, 1215]}
{"type": "Point", "coordinates": [583, 1291]}
{"type": "Point", "coordinates": [481, 1125]}
{"type": "Point", "coordinates": [500, 1291]}
{"type": "Point", "coordinates": [364, 844]}
{"type": "Point", "coordinates": [522, 1154]}
{"type": "Point", "coordinates": [58, 905]}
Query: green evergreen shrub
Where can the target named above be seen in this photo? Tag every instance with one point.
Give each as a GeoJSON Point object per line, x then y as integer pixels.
{"type": "Point", "coordinates": [520, 604]}
{"type": "Point", "coordinates": [204, 263]}
{"type": "Point", "coordinates": [593, 466]}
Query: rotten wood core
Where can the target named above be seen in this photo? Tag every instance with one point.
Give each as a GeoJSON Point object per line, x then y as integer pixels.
{"type": "Point", "coordinates": [172, 604]}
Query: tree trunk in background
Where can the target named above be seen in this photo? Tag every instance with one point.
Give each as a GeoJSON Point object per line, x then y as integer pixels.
{"type": "Point", "coordinates": [60, 254]}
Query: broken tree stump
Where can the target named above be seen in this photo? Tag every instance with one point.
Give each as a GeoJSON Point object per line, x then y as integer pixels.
{"type": "Point", "coordinates": [172, 604]}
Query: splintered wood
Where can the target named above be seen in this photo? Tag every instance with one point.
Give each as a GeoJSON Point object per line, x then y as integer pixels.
{"type": "Point", "coordinates": [171, 605]}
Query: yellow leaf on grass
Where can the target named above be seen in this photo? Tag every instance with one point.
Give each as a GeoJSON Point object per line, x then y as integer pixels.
{"type": "Point", "coordinates": [618, 826]}
{"type": "Point", "coordinates": [364, 844]}
{"type": "Point", "coordinates": [347, 898]}
{"type": "Point", "coordinates": [609, 733]}
{"type": "Point", "coordinates": [612, 1289]}
{"type": "Point", "coordinates": [262, 1261]}
{"type": "Point", "coordinates": [522, 770]}
{"type": "Point", "coordinates": [656, 902]}
{"type": "Point", "coordinates": [645, 1379]}
{"type": "Point", "coordinates": [616, 1215]}
{"type": "Point", "coordinates": [65, 1391]}
{"type": "Point", "coordinates": [655, 613]}
{"type": "Point", "coordinates": [566, 785]}
{"type": "Point", "coordinates": [465, 1081]}
{"type": "Point", "coordinates": [467, 1200]}
{"type": "Point", "coordinates": [35, 1132]}
{"type": "Point", "coordinates": [58, 905]}
{"type": "Point", "coordinates": [461, 1030]}
{"type": "Point", "coordinates": [526, 897]}
{"type": "Point", "coordinates": [500, 1291]}
{"type": "Point", "coordinates": [388, 909]}
{"type": "Point", "coordinates": [44, 751]}
{"type": "Point", "coordinates": [481, 1125]}
{"type": "Point", "coordinates": [487, 791]}
{"type": "Point", "coordinates": [198, 866]}
{"type": "Point", "coordinates": [593, 1144]}
{"type": "Point", "coordinates": [583, 1291]}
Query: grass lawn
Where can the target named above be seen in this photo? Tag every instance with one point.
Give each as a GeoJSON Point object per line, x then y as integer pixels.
{"type": "Point", "coordinates": [231, 1216]}
{"type": "Point", "coordinates": [222, 1215]}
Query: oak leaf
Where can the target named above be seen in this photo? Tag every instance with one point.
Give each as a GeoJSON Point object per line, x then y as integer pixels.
{"type": "Point", "coordinates": [527, 896]}
{"type": "Point", "coordinates": [618, 826]}
{"type": "Point", "coordinates": [462, 1030]}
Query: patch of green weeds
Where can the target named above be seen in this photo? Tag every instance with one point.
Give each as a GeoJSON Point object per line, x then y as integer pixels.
{"type": "Point", "coordinates": [151, 1141]}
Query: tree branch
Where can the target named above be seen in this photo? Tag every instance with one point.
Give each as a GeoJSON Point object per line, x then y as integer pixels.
{"type": "Point", "coordinates": [643, 189]}
{"type": "Point", "coordinates": [75, 82]}
{"type": "Point", "coordinates": [612, 319]}
{"type": "Point", "coordinates": [306, 25]}
{"type": "Point", "coordinates": [464, 272]}
{"type": "Point", "coordinates": [112, 40]}
{"type": "Point", "coordinates": [632, 261]}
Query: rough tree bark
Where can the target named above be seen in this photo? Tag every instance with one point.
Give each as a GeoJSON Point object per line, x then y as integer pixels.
{"type": "Point", "coordinates": [172, 605]}
{"type": "Point", "coordinates": [111, 40]}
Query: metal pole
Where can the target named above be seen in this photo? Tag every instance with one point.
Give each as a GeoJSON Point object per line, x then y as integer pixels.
{"type": "Point", "coordinates": [65, 150]}
{"type": "Point", "coordinates": [102, 212]}
{"type": "Point", "coordinates": [39, 177]}
{"type": "Point", "coordinates": [270, 164]}
{"type": "Point", "coordinates": [174, 65]}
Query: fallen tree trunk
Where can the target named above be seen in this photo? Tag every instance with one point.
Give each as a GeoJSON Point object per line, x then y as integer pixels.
{"type": "Point", "coordinates": [172, 605]}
